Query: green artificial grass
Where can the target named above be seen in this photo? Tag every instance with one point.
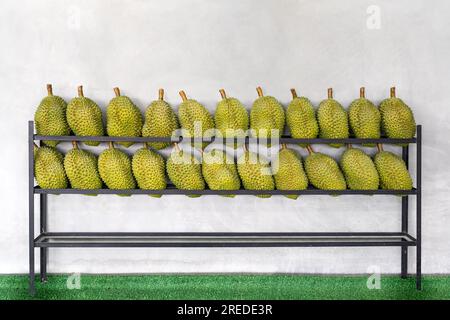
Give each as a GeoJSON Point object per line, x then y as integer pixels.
{"type": "Point", "coordinates": [225, 287]}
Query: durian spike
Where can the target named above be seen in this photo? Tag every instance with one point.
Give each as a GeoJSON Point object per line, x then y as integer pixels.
{"type": "Point", "coordinates": [223, 94]}
{"type": "Point", "coordinates": [75, 144]}
{"type": "Point", "coordinates": [183, 95]}
{"type": "Point", "coordinates": [177, 148]}
{"type": "Point", "coordinates": [294, 93]}
{"type": "Point", "coordinates": [330, 93]}
{"type": "Point", "coordinates": [111, 144]}
{"type": "Point", "coordinates": [379, 147]}
{"type": "Point", "coordinates": [260, 92]}
{"type": "Point", "coordinates": [310, 149]}
{"type": "Point", "coordinates": [161, 94]}
{"type": "Point", "coordinates": [362, 93]}
{"type": "Point", "coordinates": [393, 92]}
{"type": "Point", "coordinates": [283, 146]}
{"type": "Point", "coordinates": [80, 91]}
{"type": "Point", "coordinates": [117, 91]}
{"type": "Point", "coordinates": [49, 89]}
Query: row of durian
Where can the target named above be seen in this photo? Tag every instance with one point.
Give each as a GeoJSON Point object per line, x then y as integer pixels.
{"type": "Point", "coordinates": [363, 119]}
{"type": "Point", "coordinates": [219, 171]}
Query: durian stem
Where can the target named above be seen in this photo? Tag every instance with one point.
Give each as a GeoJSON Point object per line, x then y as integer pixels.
{"type": "Point", "coordinates": [35, 145]}
{"type": "Point", "coordinates": [183, 95]}
{"type": "Point", "coordinates": [310, 149]}
{"type": "Point", "coordinates": [283, 146]}
{"type": "Point", "coordinates": [330, 93]}
{"type": "Point", "coordinates": [294, 93]}
{"type": "Point", "coordinates": [223, 94]}
{"type": "Point", "coordinates": [49, 89]}
{"type": "Point", "coordinates": [379, 147]}
{"type": "Point", "coordinates": [80, 91]}
{"type": "Point", "coordinates": [117, 91]}
{"type": "Point", "coordinates": [111, 145]}
{"type": "Point", "coordinates": [244, 146]}
{"type": "Point", "coordinates": [177, 148]}
{"type": "Point", "coordinates": [393, 92]}
{"type": "Point", "coordinates": [161, 94]}
{"type": "Point", "coordinates": [74, 144]}
{"type": "Point", "coordinates": [260, 92]}
{"type": "Point", "coordinates": [362, 93]}
{"type": "Point", "coordinates": [349, 145]}
{"type": "Point", "coordinates": [145, 145]}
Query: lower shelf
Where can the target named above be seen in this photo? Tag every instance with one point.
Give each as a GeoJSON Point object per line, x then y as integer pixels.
{"type": "Point", "coordinates": [224, 239]}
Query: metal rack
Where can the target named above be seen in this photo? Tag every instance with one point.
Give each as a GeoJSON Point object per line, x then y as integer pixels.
{"type": "Point", "coordinates": [402, 239]}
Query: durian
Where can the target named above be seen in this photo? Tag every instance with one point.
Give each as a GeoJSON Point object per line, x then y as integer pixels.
{"type": "Point", "coordinates": [50, 117]}
{"type": "Point", "coordinates": [84, 117]}
{"type": "Point", "coordinates": [288, 171]}
{"type": "Point", "coordinates": [359, 170]}
{"type": "Point", "coordinates": [394, 174]}
{"type": "Point", "coordinates": [149, 170]}
{"type": "Point", "coordinates": [160, 121]}
{"type": "Point", "coordinates": [49, 168]}
{"type": "Point", "coordinates": [301, 118]}
{"type": "Point", "coordinates": [195, 119]}
{"type": "Point", "coordinates": [123, 118]}
{"type": "Point", "coordinates": [332, 118]}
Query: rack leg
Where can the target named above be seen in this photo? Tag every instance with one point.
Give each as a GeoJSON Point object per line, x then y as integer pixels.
{"type": "Point", "coordinates": [419, 210]}
{"type": "Point", "coordinates": [31, 205]}
{"type": "Point", "coordinates": [405, 211]}
{"type": "Point", "coordinates": [43, 222]}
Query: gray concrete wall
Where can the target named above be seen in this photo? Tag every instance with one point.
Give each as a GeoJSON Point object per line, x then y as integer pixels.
{"type": "Point", "coordinates": [201, 46]}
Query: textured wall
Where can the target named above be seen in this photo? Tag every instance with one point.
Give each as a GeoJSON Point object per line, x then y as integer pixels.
{"type": "Point", "coordinates": [201, 46]}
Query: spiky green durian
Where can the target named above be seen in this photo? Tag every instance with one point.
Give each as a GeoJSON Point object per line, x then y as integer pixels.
{"type": "Point", "coordinates": [323, 171]}
{"type": "Point", "coordinates": [394, 174]}
{"type": "Point", "coordinates": [359, 170]}
{"type": "Point", "coordinates": [288, 172]}
{"type": "Point", "coordinates": [266, 115]}
{"type": "Point", "coordinates": [333, 120]}
{"type": "Point", "coordinates": [49, 168]}
{"type": "Point", "coordinates": [160, 121]}
{"type": "Point", "coordinates": [255, 173]}
{"type": "Point", "coordinates": [219, 171]}
{"type": "Point", "coordinates": [115, 170]}
{"type": "Point", "coordinates": [195, 119]}
{"type": "Point", "coordinates": [50, 117]}
{"type": "Point", "coordinates": [149, 170]}
{"type": "Point", "coordinates": [397, 119]}
{"type": "Point", "coordinates": [364, 118]}
{"type": "Point", "coordinates": [301, 118]}
{"type": "Point", "coordinates": [84, 117]}
{"type": "Point", "coordinates": [81, 169]}
{"type": "Point", "coordinates": [123, 118]}
{"type": "Point", "coordinates": [231, 118]}
{"type": "Point", "coordinates": [185, 171]}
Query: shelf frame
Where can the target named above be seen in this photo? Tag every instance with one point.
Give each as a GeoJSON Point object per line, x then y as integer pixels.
{"type": "Point", "coordinates": [45, 239]}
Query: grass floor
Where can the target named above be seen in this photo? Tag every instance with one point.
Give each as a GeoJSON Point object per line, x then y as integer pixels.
{"type": "Point", "coordinates": [225, 287]}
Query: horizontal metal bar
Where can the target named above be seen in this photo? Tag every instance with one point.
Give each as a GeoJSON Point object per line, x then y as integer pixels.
{"type": "Point", "coordinates": [283, 139]}
{"type": "Point", "coordinates": [226, 234]}
{"type": "Point", "coordinates": [175, 191]}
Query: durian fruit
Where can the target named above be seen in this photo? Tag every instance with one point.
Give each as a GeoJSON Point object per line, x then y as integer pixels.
{"type": "Point", "coordinates": [219, 171]}
{"type": "Point", "coordinates": [359, 170]}
{"type": "Point", "coordinates": [84, 117]}
{"type": "Point", "coordinates": [149, 170]}
{"type": "Point", "coordinates": [364, 118]}
{"type": "Point", "coordinates": [50, 117]}
{"type": "Point", "coordinates": [266, 115]}
{"type": "Point", "coordinates": [397, 119]}
{"type": "Point", "coordinates": [288, 171]}
{"type": "Point", "coordinates": [255, 173]}
{"type": "Point", "coordinates": [115, 170]}
{"type": "Point", "coordinates": [123, 118]}
{"type": "Point", "coordinates": [49, 168]}
{"type": "Point", "coordinates": [301, 118]}
{"type": "Point", "coordinates": [195, 119]}
{"type": "Point", "coordinates": [185, 171]}
{"type": "Point", "coordinates": [160, 121]}
{"type": "Point", "coordinates": [231, 118]}
{"type": "Point", "coordinates": [81, 169]}
{"type": "Point", "coordinates": [333, 120]}
{"type": "Point", "coordinates": [323, 171]}
{"type": "Point", "coordinates": [394, 174]}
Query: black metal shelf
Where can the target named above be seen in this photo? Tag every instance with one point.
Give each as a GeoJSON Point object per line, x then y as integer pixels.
{"type": "Point", "coordinates": [225, 239]}
{"type": "Point", "coordinates": [403, 239]}
{"type": "Point", "coordinates": [171, 190]}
